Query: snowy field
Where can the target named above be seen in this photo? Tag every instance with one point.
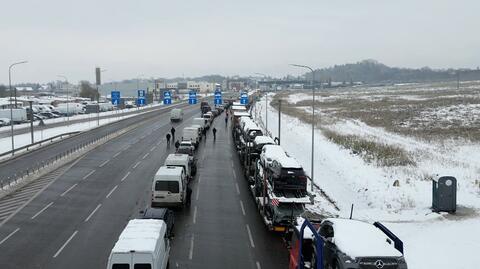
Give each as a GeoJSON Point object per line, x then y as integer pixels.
{"type": "Point", "coordinates": [431, 240]}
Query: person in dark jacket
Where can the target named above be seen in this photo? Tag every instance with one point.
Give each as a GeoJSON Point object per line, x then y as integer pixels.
{"type": "Point", "coordinates": [189, 195]}
{"type": "Point", "coordinates": [168, 138]}
{"type": "Point", "coordinates": [214, 130]}
{"type": "Point", "coordinates": [173, 132]}
{"type": "Point", "coordinates": [177, 145]}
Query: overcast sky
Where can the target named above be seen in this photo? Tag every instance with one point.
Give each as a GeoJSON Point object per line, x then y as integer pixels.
{"type": "Point", "coordinates": [198, 37]}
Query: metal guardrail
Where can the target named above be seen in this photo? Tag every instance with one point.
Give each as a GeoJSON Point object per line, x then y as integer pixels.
{"type": "Point", "coordinates": [15, 178]}
{"type": "Point", "coordinates": [39, 143]}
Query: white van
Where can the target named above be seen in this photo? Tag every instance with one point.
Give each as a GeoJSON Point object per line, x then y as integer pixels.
{"type": "Point", "coordinates": [142, 244]}
{"type": "Point", "coordinates": [191, 134]}
{"type": "Point", "coordinates": [180, 160]}
{"type": "Point", "coordinates": [176, 114]}
{"type": "Point", "coordinates": [169, 187]}
{"type": "Point", "coordinates": [199, 121]}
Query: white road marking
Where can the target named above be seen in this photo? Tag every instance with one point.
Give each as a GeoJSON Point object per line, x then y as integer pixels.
{"type": "Point", "coordinates": [43, 209]}
{"type": "Point", "coordinates": [195, 215]}
{"type": "Point", "coordinates": [152, 149]}
{"type": "Point", "coordinates": [234, 174]}
{"type": "Point", "coordinates": [93, 212]}
{"type": "Point", "coordinates": [258, 265]}
{"type": "Point", "coordinates": [116, 154]}
{"type": "Point", "coordinates": [125, 176]}
{"type": "Point", "coordinates": [232, 164]}
{"type": "Point", "coordinates": [243, 208]}
{"type": "Point", "coordinates": [190, 253]}
{"type": "Point", "coordinates": [104, 163]}
{"type": "Point", "coordinates": [252, 244]}
{"type": "Point", "coordinates": [199, 178]}
{"type": "Point", "coordinates": [89, 174]}
{"type": "Point", "coordinates": [158, 143]}
{"type": "Point", "coordinates": [135, 166]}
{"type": "Point", "coordinates": [69, 189]}
{"type": "Point", "coordinates": [8, 236]}
{"type": "Point", "coordinates": [196, 195]}
{"type": "Point", "coordinates": [65, 244]}
{"type": "Point", "coordinates": [236, 187]}
{"type": "Point", "coordinates": [145, 156]}
{"type": "Point", "coordinates": [110, 193]}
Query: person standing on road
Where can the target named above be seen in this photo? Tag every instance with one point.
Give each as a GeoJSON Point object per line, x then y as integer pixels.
{"type": "Point", "coordinates": [173, 132]}
{"type": "Point", "coordinates": [204, 132]}
{"type": "Point", "coordinates": [214, 130]}
{"type": "Point", "coordinates": [226, 120]}
{"type": "Point", "coordinates": [189, 195]}
{"type": "Point", "coordinates": [177, 145]}
{"type": "Point", "coordinates": [168, 138]}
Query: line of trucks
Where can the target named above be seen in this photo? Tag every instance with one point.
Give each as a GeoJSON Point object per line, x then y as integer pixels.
{"type": "Point", "coordinates": [280, 188]}
{"type": "Point", "coordinates": [277, 181]}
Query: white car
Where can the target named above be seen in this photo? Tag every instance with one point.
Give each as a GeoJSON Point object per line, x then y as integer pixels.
{"type": "Point", "coordinates": [4, 121]}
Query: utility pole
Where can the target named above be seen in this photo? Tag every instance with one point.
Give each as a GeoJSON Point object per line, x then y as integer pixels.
{"type": "Point", "coordinates": [11, 105]}
{"type": "Point", "coordinates": [313, 120]}
{"type": "Point", "coordinates": [279, 119]}
{"type": "Point", "coordinates": [30, 115]}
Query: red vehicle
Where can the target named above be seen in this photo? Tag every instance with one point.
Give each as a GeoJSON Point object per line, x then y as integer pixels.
{"type": "Point", "coordinates": [303, 246]}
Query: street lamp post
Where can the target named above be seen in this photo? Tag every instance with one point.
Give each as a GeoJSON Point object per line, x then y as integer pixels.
{"type": "Point", "coordinates": [68, 111]}
{"type": "Point", "coordinates": [11, 105]}
{"type": "Point", "coordinates": [266, 103]}
{"type": "Point", "coordinates": [313, 119]}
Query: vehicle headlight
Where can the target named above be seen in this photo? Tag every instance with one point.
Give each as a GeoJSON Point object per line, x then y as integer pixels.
{"type": "Point", "coordinates": [401, 260]}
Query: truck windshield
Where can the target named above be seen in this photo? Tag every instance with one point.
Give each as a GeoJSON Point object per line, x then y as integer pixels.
{"type": "Point", "coordinates": [171, 186]}
{"type": "Point", "coordinates": [285, 211]}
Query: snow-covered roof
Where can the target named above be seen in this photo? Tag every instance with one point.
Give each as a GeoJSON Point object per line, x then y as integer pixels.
{"type": "Point", "coordinates": [250, 125]}
{"type": "Point", "coordinates": [169, 171]}
{"type": "Point", "coordinates": [140, 235]}
{"type": "Point", "coordinates": [239, 108]}
{"type": "Point", "coordinates": [361, 239]}
{"type": "Point", "coordinates": [272, 153]}
{"type": "Point", "coordinates": [177, 157]}
{"type": "Point", "coordinates": [263, 139]}
{"type": "Point", "coordinates": [241, 114]}
{"type": "Point", "coordinates": [27, 89]}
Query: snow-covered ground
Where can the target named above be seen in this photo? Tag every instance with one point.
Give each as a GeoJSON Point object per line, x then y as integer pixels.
{"type": "Point", "coordinates": [77, 117]}
{"type": "Point", "coordinates": [431, 240]}
{"type": "Point", "coordinates": [25, 139]}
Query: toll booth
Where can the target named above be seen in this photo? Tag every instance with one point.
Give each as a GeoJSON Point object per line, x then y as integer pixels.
{"type": "Point", "coordinates": [444, 194]}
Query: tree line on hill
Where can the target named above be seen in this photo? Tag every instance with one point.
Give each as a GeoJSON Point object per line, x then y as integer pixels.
{"type": "Point", "coordinates": [371, 71]}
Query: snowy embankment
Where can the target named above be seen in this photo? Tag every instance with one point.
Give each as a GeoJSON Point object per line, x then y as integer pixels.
{"type": "Point", "coordinates": [431, 240]}
{"type": "Point", "coordinates": [25, 139]}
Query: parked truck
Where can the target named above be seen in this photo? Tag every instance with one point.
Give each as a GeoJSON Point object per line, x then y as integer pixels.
{"type": "Point", "coordinates": [18, 115]}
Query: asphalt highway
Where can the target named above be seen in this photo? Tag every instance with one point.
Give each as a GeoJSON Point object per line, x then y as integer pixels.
{"type": "Point", "coordinates": [76, 220]}
{"type": "Point", "coordinates": [25, 161]}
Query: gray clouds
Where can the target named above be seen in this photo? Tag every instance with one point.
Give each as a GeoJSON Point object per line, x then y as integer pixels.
{"type": "Point", "coordinates": [171, 38]}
